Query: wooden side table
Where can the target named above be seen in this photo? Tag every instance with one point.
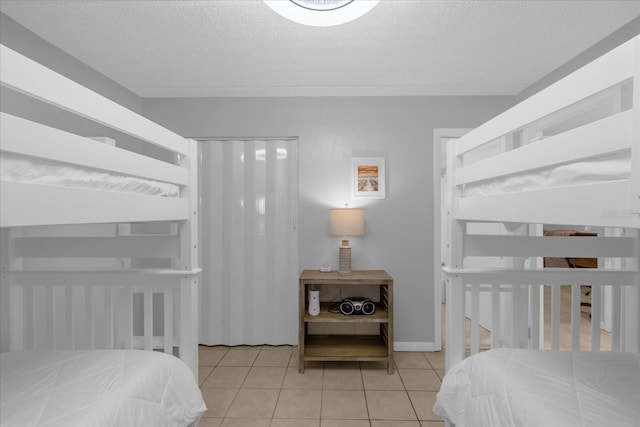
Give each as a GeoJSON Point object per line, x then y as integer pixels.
{"type": "Point", "coordinates": [347, 347]}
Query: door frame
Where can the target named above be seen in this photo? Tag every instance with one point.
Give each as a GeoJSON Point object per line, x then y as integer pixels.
{"type": "Point", "coordinates": [439, 134]}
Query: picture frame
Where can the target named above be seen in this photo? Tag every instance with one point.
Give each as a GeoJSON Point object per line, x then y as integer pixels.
{"type": "Point", "coordinates": [368, 177]}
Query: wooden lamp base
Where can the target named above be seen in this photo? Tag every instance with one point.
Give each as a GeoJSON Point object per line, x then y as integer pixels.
{"type": "Point", "coordinates": [344, 260]}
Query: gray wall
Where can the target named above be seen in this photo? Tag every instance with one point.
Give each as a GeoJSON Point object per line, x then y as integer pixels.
{"type": "Point", "coordinates": [18, 38]}
{"type": "Point", "coordinates": [627, 32]}
{"type": "Point", "coordinates": [331, 130]}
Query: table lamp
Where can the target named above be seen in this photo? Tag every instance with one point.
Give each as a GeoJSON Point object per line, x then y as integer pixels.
{"type": "Point", "coordinates": [346, 222]}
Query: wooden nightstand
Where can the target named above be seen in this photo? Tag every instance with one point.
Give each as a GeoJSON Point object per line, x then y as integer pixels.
{"type": "Point", "coordinates": [347, 347]}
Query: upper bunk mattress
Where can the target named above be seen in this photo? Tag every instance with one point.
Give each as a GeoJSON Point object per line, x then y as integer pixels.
{"type": "Point", "coordinates": [26, 169]}
{"type": "Point", "coordinates": [611, 167]}
{"type": "Point", "coordinates": [97, 388]}
{"type": "Point", "coordinates": [515, 387]}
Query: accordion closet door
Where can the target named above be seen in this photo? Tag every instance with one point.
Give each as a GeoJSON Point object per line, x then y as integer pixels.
{"type": "Point", "coordinates": [249, 242]}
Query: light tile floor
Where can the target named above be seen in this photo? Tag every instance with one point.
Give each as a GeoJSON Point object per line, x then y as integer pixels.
{"type": "Point", "coordinates": [260, 386]}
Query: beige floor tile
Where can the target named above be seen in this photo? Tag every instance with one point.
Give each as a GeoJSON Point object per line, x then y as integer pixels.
{"type": "Point", "coordinates": [299, 404]}
{"type": "Point", "coordinates": [436, 359]}
{"type": "Point", "coordinates": [344, 404]}
{"type": "Point", "coordinates": [264, 377]}
{"type": "Point", "coordinates": [226, 377]}
{"type": "Point", "coordinates": [310, 365]}
{"type": "Point", "coordinates": [389, 405]}
{"type": "Point", "coordinates": [373, 365]}
{"type": "Point", "coordinates": [293, 360]}
{"type": "Point", "coordinates": [394, 423]}
{"type": "Point", "coordinates": [379, 379]}
{"type": "Point", "coordinates": [342, 379]}
{"type": "Point", "coordinates": [245, 422]}
{"type": "Point", "coordinates": [345, 423]}
{"type": "Point", "coordinates": [211, 356]}
{"type": "Point", "coordinates": [342, 365]}
{"type": "Point", "coordinates": [210, 422]}
{"type": "Point", "coordinates": [203, 373]}
{"type": "Point", "coordinates": [422, 402]}
{"type": "Point", "coordinates": [218, 401]}
{"type": "Point", "coordinates": [294, 422]}
{"type": "Point", "coordinates": [273, 357]}
{"type": "Point", "coordinates": [254, 403]}
{"type": "Point", "coordinates": [420, 379]}
{"type": "Point", "coordinates": [311, 379]}
{"type": "Point", "coordinates": [240, 356]}
{"type": "Point", "coordinates": [432, 423]}
{"type": "Point", "coordinates": [410, 360]}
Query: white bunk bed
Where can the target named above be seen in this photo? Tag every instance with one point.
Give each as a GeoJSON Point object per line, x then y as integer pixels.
{"type": "Point", "coordinates": [98, 244]}
{"type": "Point", "coordinates": [567, 157]}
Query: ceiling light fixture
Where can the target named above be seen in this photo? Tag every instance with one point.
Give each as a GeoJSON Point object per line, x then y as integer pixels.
{"type": "Point", "coordinates": [321, 13]}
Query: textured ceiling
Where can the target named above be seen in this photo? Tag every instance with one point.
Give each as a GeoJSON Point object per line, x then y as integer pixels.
{"type": "Point", "coordinates": [242, 48]}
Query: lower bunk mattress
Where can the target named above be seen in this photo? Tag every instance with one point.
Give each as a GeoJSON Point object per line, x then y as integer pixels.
{"type": "Point", "coordinates": [97, 388]}
{"type": "Point", "coordinates": [516, 387]}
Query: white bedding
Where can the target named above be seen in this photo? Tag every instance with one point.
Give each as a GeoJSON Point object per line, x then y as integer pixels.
{"type": "Point", "coordinates": [514, 387]}
{"type": "Point", "coordinates": [97, 388]}
{"type": "Point", "coordinates": [18, 168]}
{"type": "Point", "coordinates": [611, 167]}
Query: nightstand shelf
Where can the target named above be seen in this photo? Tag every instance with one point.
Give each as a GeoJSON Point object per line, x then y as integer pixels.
{"type": "Point", "coordinates": [379, 316]}
{"type": "Point", "coordinates": [354, 347]}
{"type": "Point", "coordinates": [337, 347]}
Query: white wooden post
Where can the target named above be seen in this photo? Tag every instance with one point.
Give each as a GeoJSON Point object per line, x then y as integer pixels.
{"type": "Point", "coordinates": [189, 263]}
{"type": "Point", "coordinates": [455, 307]}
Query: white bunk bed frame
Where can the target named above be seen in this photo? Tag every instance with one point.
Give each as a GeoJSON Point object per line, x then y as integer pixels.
{"type": "Point", "coordinates": [93, 307]}
{"type": "Point", "coordinates": [612, 83]}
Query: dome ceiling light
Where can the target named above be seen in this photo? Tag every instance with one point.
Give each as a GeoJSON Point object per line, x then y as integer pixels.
{"type": "Point", "coordinates": [321, 13]}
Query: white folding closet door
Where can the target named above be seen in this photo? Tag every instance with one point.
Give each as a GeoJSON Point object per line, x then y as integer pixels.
{"type": "Point", "coordinates": [249, 242]}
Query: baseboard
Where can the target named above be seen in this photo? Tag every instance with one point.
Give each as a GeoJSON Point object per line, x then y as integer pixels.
{"type": "Point", "coordinates": [415, 346]}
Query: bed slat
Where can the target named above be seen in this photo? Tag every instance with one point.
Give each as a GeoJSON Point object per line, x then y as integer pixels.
{"type": "Point", "coordinates": [20, 136]}
{"type": "Point", "coordinates": [65, 205]}
{"type": "Point", "coordinates": [108, 317]}
{"type": "Point", "coordinates": [26, 76]}
{"type": "Point", "coordinates": [475, 317]}
{"type": "Point", "coordinates": [49, 319]}
{"type": "Point", "coordinates": [547, 276]}
{"type": "Point", "coordinates": [575, 317]}
{"type": "Point", "coordinates": [604, 72]}
{"type": "Point", "coordinates": [70, 325]}
{"type": "Point", "coordinates": [616, 325]}
{"type": "Point", "coordinates": [94, 246]}
{"type": "Point", "coordinates": [532, 206]}
{"type": "Point", "coordinates": [596, 310]}
{"type": "Point", "coordinates": [547, 246]}
{"type": "Point", "coordinates": [495, 316]}
{"type": "Point", "coordinates": [148, 318]}
{"type": "Point", "coordinates": [573, 145]}
{"type": "Point", "coordinates": [168, 321]}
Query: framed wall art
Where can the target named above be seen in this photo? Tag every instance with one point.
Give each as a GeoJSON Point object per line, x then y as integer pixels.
{"type": "Point", "coordinates": [368, 177]}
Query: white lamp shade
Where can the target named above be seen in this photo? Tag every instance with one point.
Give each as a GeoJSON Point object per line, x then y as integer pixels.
{"type": "Point", "coordinates": [346, 222]}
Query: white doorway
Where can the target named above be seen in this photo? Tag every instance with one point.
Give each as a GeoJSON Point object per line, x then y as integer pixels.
{"type": "Point", "coordinates": [441, 137]}
{"type": "Point", "coordinates": [249, 241]}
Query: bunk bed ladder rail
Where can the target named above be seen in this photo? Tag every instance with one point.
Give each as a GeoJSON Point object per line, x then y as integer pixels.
{"type": "Point", "coordinates": [515, 295]}
{"type": "Point", "coordinates": [86, 309]}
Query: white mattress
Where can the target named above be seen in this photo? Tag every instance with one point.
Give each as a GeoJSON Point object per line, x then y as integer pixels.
{"type": "Point", "coordinates": [507, 387]}
{"type": "Point", "coordinates": [97, 388]}
{"type": "Point", "coordinates": [26, 169]}
{"type": "Point", "coordinates": [611, 167]}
